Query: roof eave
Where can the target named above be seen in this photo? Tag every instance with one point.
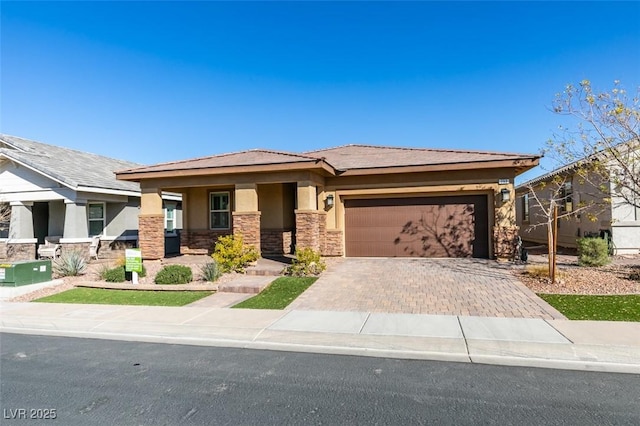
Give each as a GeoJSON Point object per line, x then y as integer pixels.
{"type": "Point", "coordinates": [136, 174]}
{"type": "Point", "coordinates": [520, 165]}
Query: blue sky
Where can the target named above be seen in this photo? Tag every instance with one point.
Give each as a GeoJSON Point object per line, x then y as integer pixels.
{"type": "Point", "coordinates": [161, 81]}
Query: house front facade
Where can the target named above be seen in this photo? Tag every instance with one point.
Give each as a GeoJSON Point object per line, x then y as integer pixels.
{"type": "Point", "coordinates": [605, 212]}
{"type": "Point", "coordinates": [354, 200]}
{"type": "Point", "coordinates": [70, 196]}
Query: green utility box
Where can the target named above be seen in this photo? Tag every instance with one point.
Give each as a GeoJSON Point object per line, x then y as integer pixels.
{"type": "Point", "coordinates": [14, 274]}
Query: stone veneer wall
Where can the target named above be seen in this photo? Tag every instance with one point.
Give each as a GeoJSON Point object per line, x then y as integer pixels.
{"type": "Point", "coordinates": [310, 229]}
{"type": "Point", "coordinates": [276, 241]}
{"type": "Point", "coordinates": [200, 241]}
{"type": "Point", "coordinates": [333, 246]}
{"type": "Point", "coordinates": [151, 235]}
{"type": "Point", "coordinates": [17, 251]}
{"type": "Point", "coordinates": [247, 224]}
{"type": "Point", "coordinates": [80, 247]}
{"type": "Point", "coordinates": [504, 242]}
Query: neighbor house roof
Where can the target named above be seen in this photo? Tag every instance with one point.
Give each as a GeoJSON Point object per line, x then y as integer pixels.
{"type": "Point", "coordinates": [80, 171]}
{"type": "Point", "coordinates": [344, 160]}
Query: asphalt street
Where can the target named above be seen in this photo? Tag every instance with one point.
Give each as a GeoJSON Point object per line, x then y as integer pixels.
{"type": "Point", "coordinates": [87, 381]}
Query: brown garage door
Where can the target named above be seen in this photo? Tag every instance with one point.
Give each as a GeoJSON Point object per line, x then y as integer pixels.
{"type": "Point", "coordinates": [417, 227]}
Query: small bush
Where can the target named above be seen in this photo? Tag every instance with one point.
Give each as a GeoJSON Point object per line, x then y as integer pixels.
{"type": "Point", "coordinates": [593, 252]}
{"type": "Point", "coordinates": [70, 264]}
{"type": "Point", "coordinates": [307, 262]}
{"type": "Point", "coordinates": [232, 254]}
{"type": "Point", "coordinates": [174, 274]}
{"type": "Point", "coordinates": [113, 275]}
{"type": "Point", "coordinates": [119, 275]}
{"type": "Point", "coordinates": [542, 271]}
{"type": "Point", "coordinates": [634, 275]}
{"type": "Point", "coordinates": [210, 271]}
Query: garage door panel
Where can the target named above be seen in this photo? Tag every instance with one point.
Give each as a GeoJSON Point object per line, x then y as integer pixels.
{"type": "Point", "coordinates": [417, 227]}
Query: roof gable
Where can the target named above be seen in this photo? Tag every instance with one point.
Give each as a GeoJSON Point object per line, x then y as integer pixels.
{"type": "Point", "coordinates": [72, 168]}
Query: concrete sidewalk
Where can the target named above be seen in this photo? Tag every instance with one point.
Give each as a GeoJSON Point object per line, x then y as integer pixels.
{"type": "Point", "coordinates": [581, 345]}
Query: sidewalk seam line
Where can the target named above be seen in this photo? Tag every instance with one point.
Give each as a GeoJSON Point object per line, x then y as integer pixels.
{"type": "Point", "coordinates": [559, 332]}
{"type": "Point", "coordinates": [464, 338]}
{"type": "Point", "coordinates": [364, 323]}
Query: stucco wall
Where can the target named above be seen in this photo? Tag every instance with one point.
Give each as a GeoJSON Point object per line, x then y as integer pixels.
{"type": "Point", "coordinates": [569, 228]}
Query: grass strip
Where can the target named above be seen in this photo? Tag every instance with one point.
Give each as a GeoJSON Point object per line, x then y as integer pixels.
{"type": "Point", "coordinates": [279, 294]}
{"type": "Point", "coordinates": [101, 296]}
{"type": "Point", "coordinates": [598, 308]}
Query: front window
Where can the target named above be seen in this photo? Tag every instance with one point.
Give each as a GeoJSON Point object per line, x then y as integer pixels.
{"type": "Point", "coordinates": [525, 207]}
{"type": "Point", "coordinates": [219, 211]}
{"type": "Point", "coordinates": [169, 219]}
{"type": "Point", "coordinates": [566, 194]}
{"type": "Point", "coordinates": [96, 219]}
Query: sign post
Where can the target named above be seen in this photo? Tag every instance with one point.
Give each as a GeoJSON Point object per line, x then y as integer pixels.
{"type": "Point", "coordinates": [133, 263]}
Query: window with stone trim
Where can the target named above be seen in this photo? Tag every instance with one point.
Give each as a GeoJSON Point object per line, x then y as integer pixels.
{"type": "Point", "coordinates": [219, 210]}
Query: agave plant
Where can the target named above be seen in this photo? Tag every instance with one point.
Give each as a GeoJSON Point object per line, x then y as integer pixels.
{"type": "Point", "coordinates": [70, 264]}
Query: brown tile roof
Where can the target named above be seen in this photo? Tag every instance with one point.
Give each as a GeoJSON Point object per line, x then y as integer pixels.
{"type": "Point", "coordinates": [253, 157]}
{"type": "Point", "coordinates": [343, 159]}
{"type": "Point", "coordinates": [351, 157]}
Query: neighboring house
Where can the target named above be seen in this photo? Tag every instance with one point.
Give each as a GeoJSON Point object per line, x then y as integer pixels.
{"type": "Point", "coordinates": [614, 216]}
{"type": "Point", "coordinates": [354, 200]}
{"type": "Point", "coordinates": [72, 196]}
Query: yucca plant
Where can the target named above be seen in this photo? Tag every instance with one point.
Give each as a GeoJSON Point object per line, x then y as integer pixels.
{"type": "Point", "coordinates": [210, 271]}
{"type": "Point", "coordinates": [70, 264]}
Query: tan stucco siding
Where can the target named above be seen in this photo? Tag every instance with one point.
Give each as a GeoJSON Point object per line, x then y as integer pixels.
{"type": "Point", "coordinates": [569, 228]}
{"type": "Point", "coordinates": [271, 206]}
{"type": "Point", "coordinates": [196, 207]}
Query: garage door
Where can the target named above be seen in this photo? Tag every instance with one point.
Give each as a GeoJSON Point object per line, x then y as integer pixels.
{"type": "Point", "coordinates": [417, 227]}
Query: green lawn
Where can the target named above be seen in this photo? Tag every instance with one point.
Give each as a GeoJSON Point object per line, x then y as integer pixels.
{"type": "Point", "coordinates": [101, 296]}
{"type": "Point", "coordinates": [279, 294]}
{"type": "Point", "coordinates": [599, 308]}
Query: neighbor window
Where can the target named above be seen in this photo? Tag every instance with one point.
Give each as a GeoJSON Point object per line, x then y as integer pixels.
{"type": "Point", "coordinates": [566, 194]}
{"type": "Point", "coordinates": [96, 219]}
{"type": "Point", "coordinates": [525, 208]}
{"type": "Point", "coordinates": [219, 210]}
{"type": "Point", "coordinates": [169, 218]}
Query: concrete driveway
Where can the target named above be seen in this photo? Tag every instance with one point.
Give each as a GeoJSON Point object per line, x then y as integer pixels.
{"type": "Point", "coordinates": [475, 287]}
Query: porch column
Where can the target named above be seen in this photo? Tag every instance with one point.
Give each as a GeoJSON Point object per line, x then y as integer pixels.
{"type": "Point", "coordinates": [505, 230]}
{"type": "Point", "coordinates": [246, 216]}
{"type": "Point", "coordinates": [21, 244]}
{"type": "Point", "coordinates": [21, 222]}
{"type": "Point", "coordinates": [75, 220]}
{"type": "Point", "coordinates": [310, 222]}
{"type": "Point", "coordinates": [151, 224]}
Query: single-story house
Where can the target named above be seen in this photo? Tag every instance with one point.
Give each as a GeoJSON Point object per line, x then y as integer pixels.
{"type": "Point", "coordinates": [615, 216]}
{"type": "Point", "coordinates": [354, 200]}
{"type": "Point", "coordinates": [71, 196]}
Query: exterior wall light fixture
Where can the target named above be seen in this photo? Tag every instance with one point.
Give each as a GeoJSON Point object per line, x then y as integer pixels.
{"type": "Point", "coordinates": [505, 194]}
{"type": "Point", "coordinates": [329, 201]}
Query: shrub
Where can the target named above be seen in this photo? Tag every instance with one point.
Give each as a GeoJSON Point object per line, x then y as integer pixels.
{"type": "Point", "coordinates": [70, 264]}
{"type": "Point", "coordinates": [119, 275]}
{"type": "Point", "coordinates": [174, 274]}
{"type": "Point", "coordinates": [210, 271]}
{"type": "Point", "coordinates": [307, 262]}
{"type": "Point", "coordinates": [541, 272]}
{"type": "Point", "coordinates": [634, 275]}
{"type": "Point", "coordinates": [113, 275]}
{"type": "Point", "coordinates": [232, 254]}
{"type": "Point", "coordinates": [593, 251]}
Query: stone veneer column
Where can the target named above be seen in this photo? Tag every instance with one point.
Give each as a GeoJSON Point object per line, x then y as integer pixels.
{"type": "Point", "coordinates": [247, 224]}
{"type": "Point", "coordinates": [151, 236]}
{"type": "Point", "coordinates": [21, 244]}
{"type": "Point", "coordinates": [504, 242]}
{"type": "Point", "coordinates": [310, 229]}
{"type": "Point", "coordinates": [151, 224]}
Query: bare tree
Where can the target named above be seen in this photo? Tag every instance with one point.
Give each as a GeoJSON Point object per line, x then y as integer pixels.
{"type": "Point", "coordinates": [602, 149]}
{"type": "Point", "coordinates": [606, 135]}
{"type": "Point", "coordinates": [5, 215]}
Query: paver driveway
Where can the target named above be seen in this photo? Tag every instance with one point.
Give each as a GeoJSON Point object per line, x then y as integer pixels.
{"type": "Point", "coordinates": [474, 287]}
